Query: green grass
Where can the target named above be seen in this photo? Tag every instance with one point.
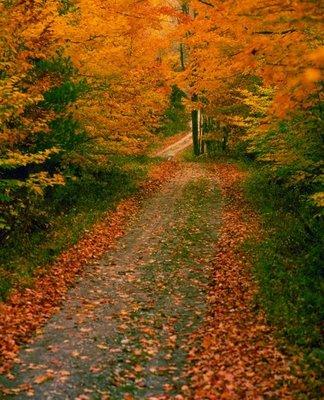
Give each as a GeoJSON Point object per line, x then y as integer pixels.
{"type": "Point", "coordinates": [189, 156]}
{"type": "Point", "coordinates": [69, 210]}
{"type": "Point", "coordinates": [287, 262]}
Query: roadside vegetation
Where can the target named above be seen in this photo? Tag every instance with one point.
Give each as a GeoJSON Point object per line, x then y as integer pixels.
{"type": "Point", "coordinates": [37, 227]}
{"type": "Point", "coordinates": [255, 89]}
{"type": "Point", "coordinates": [42, 216]}
{"type": "Point", "coordinates": [176, 118]}
{"type": "Point", "coordinates": [287, 258]}
{"type": "Point", "coordinates": [64, 214]}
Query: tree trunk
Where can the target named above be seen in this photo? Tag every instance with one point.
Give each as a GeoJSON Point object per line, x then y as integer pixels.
{"type": "Point", "coordinates": [182, 57]}
{"type": "Point", "coordinates": [195, 132]}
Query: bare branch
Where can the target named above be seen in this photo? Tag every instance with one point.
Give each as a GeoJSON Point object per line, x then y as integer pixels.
{"type": "Point", "coordinates": [207, 3]}
{"type": "Point", "coordinates": [274, 33]}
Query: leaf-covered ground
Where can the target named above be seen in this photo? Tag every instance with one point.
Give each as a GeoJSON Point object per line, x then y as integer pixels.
{"type": "Point", "coordinates": [25, 311]}
{"type": "Point", "coordinates": [234, 354]}
{"type": "Point", "coordinates": [165, 314]}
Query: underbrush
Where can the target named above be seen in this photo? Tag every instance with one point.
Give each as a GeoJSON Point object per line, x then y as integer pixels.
{"type": "Point", "coordinates": [287, 262]}
{"type": "Point", "coordinates": [174, 123]}
{"type": "Point", "coordinates": [68, 211]}
{"type": "Point", "coordinates": [176, 118]}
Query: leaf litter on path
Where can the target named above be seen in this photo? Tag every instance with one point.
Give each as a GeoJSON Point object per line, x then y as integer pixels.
{"type": "Point", "coordinates": [93, 336]}
{"type": "Point", "coordinates": [234, 355]}
{"type": "Point", "coordinates": [27, 310]}
{"type": "Point", "coordinates": [167, 313]}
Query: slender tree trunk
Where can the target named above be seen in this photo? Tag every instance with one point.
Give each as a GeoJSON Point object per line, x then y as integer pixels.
{"type": "Point", "coordinates": [195, 131]}
{"type": "Point", "coordinates": [182, 57]}
{"type": "Point", "coordinates": [201, 133]}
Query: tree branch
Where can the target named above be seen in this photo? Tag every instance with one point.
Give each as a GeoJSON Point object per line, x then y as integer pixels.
{"type": "Point", "coordinates": [207, 3]}
{"type": "Point", "coordinates": [274, 33]}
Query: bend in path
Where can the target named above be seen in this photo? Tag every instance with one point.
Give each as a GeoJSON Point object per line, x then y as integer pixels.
{"type": "Point", "coordinates": [176, 148]}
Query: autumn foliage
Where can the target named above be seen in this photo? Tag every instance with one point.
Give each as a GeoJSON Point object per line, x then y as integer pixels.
{"type": "Point", "coordinates": [78, 82]}
{"type": "Point", "coordinates": [82, 80]}
{"type": "Point", "coordinates": [255, 71]}
{"type": "Point", "coordinates": [278, 42]}
{"type": "Point", "coordinates": [85, 82]}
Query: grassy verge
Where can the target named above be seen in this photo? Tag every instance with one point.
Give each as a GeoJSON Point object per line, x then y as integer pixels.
{"type": "Point", "coordinates": [69, 210]}
{"type": "Point", "coordinates": [287, 263]}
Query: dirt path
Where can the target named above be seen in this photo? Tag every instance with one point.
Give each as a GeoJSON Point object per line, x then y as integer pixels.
{"type": "Point", "coordinates": [166, 314]}
{"type": "Point", "coordinates": [123, 328]}
{"type": "Point", "coordinates": [176, 148]}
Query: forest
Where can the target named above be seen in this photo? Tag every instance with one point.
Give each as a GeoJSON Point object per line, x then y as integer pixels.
{"type": "Point", "coordinates": [91, 92]}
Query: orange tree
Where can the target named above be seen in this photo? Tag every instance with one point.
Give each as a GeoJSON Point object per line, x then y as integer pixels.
{"type": "Point", "coordinates": [119, 48]}
{"type": "Point", "coordinates": [258, 47]}
{"type": "Point", "coordinates": [257, 69]}
{"type": "Point", "coordinates": [52, 52]}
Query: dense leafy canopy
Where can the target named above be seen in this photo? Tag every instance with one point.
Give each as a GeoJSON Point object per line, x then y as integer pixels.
{"type": "Point", "coordinates": [79, 81]}
{"type": "Point", "coordinates": [256, 68]}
